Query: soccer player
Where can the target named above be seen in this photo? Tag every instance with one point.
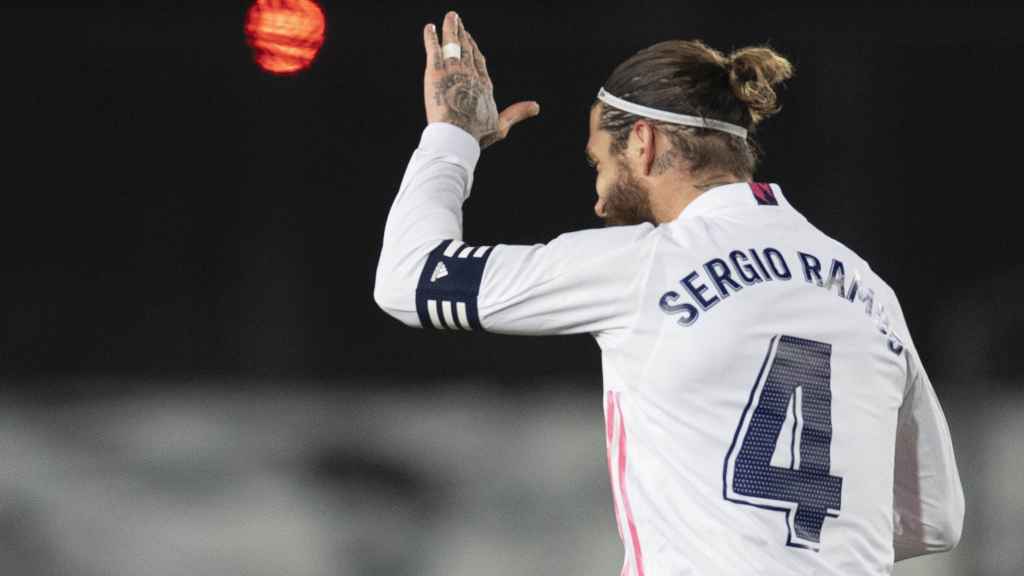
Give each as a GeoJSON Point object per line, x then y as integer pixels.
{"type": "Point", "coordinates": [766, 409]}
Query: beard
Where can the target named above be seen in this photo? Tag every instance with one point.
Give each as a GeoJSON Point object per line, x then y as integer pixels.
{"type": "Point", "coordinates": [629, 201]}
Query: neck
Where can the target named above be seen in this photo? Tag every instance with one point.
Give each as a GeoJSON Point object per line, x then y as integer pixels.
{"type": "Point", "coordinates": [709, 183]}
{"type": "Point", "coordinates": [688, 190]}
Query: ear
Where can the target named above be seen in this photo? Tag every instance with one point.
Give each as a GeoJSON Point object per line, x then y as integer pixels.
{"type": "Point", "coordinates": [644, 136]}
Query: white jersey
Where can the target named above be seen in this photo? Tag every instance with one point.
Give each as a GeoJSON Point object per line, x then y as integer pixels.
{"type": "Point", "coordinates": [766, 410]}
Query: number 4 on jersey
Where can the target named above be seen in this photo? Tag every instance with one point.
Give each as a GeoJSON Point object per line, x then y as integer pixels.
{"type": "Point", "coordinates": [764, 472]}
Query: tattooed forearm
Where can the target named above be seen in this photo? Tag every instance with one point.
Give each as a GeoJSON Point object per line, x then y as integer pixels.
{"type": "Point", "coordinates": [469, 103]}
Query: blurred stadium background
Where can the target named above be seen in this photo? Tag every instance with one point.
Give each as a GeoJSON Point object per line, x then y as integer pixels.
{"type": "Point", "coordinates": [454, 478]}
{"type": "Point", "coordinates": [194, 378]}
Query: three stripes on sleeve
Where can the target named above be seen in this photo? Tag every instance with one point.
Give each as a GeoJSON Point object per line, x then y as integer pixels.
{"type": "Point", "coordinates": [446, 296]}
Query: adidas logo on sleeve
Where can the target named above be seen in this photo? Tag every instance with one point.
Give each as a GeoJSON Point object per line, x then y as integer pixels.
{"type": "Point", "coordinates": [446, 297]}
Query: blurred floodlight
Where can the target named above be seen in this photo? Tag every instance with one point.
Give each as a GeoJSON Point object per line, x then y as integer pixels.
{"type": "Point", "coordinates": [285, 35]}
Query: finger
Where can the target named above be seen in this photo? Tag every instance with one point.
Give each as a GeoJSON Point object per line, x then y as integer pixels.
{"type": "Point", "coordinates": [516, 113]}
{"type": "Point", "coordinates": [478, 59]}
{"type": "Point", "coordinates": [433, 48]}
{"type": "Point", "coordinates": [450, 31]}
{"type": "Point", "coordinates": [468, 53]}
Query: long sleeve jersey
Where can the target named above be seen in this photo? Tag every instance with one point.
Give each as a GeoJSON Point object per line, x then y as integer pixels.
{"type": "Point", "coordinates": [766, 410]}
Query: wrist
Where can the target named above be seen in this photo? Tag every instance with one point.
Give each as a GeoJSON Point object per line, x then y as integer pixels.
{"type": "Point", "coordinates": [452, 139]}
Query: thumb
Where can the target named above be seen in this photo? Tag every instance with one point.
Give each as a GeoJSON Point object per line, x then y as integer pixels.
{"type": "Point", "coordinates": [516, 113]}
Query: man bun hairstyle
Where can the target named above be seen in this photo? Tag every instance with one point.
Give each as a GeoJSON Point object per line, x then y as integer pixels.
{"type": "Point", "coordinates": [753, 74]}
{"type": "Point", "coordinates": [689, 77]}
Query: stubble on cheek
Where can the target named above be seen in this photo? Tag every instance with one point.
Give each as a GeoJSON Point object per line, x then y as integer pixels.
{"type": "Point", "coordinates": [628, 202]}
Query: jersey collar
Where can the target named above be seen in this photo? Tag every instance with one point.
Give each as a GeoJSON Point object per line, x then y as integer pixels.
{"type": "Point", "coordinates": [745, 194]}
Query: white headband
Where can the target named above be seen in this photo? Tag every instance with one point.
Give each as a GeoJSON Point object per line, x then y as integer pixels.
{"type": "Point", "coordinates": [695, 121]}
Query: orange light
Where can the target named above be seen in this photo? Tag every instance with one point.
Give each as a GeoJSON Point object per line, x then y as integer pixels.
{"type": "Point", "coordinates": [285, 35]}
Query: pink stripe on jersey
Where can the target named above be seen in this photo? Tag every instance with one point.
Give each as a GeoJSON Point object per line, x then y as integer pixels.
{"type": "Point", "coordinates": [610, 416]}
{"type": "Point", "coordinates": [609, 419]}
{"type": "Point", "coordinates": [637, 552]}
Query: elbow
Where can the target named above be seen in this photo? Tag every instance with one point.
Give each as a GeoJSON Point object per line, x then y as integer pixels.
{"type": "Point", "coordinates": [939, 530]}
{"type": "Point", "coordinates": [396, 302]}
{"type": "Point", "coordinates": [384, 297]}
{"type": "Point", "coordinates": [946, 536]}
{"type": "Point", "coordinates": [946, 533]}
{"type": "Point", "coordinates": [953, 528]}
{"type": "Point", "coordinates": [940, 537]}
{"type": "Point", "coordinates": [385, 288]}
{"type": "Point", "coordinates": [953, 535]}
{"type": "Point", "coordinates": [398, 276]}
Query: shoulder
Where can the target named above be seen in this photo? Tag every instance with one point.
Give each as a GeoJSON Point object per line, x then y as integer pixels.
{"type": "Point", "coordinates": [616, 247]}
{"type": "Point", "coordinates": [605, 239]}
{"type": "Point", "coordinates": [859, 264]}
{"type": "Point", "coordinates": [885, 304]}
{"type": "Point", "coordinates": [609, 249]}
{"type": "Point", "coordinates": [854, 263]}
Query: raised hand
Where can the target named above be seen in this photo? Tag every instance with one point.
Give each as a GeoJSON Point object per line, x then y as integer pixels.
{"type": "Point", "coordinates": [459, 90]}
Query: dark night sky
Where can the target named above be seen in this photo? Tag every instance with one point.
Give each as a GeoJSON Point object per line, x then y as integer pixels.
{"type": "Point", "coordinates": [172, 210]}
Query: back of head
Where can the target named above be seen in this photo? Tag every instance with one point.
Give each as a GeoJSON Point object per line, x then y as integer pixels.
{"type": "Point", "coordinates": [688, 77]}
